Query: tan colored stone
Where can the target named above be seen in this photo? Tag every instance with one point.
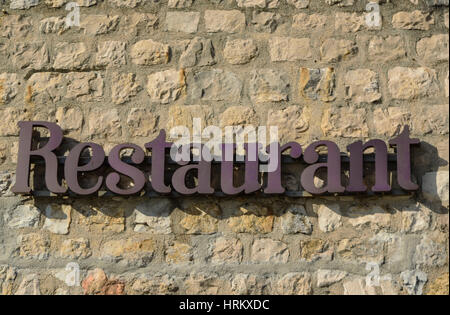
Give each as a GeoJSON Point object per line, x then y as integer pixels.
{"type": "Point", "coordinates": [12, 116]}
{"type": "Point", "coordinates": [78, 248]}
{"type": "Point", "coordinates": [386, 49]}
{"type": "Point", "coordinates": [433, 49]}
{"type": "Point", "coordinates": [292, 122]}
{"type": "Point", "coordinates": [349, 22]}
{"type": "Point", "coordinates": [232, 21]}
{"type": "Point", "coordinates": [335, 50]}
{"type": "Point", "coordinates": [206, 284]}
{"type": "Point", "coordinates": [267, 85]}
{"type": "Point", "coordinates": [289, 49]}
{"type": "Point", "coordinates": [328, 277]}
{"type": "Point", "coordinates": [410, 83]}
{"type": "Point", "coordinates": [9, 87]}
{"type": "Point", "coordinates": [251, 224]}
{"type": "Point", "coordinates": [44, 87]}
{"type": "Point", "coordinates": [265, 250]}
{"type": "Point", "coordinates": [258, 3]}
{"type": "Point", "coordinates": [299, 4]}
{"type": "Point", "coordinates": [97, 283]}
{"type": "Point", "coordinates": [295, 283]}
{"type": "Point", "coordinates": [15, 26]}
{"type": "Point", "coordinates": [390, 121]}
{"type": "Point", "coordinates": [54, 24]}
{"type": "Point", "coordinates": [199, 52]}
{"type": "Point", "coordinates": [180, 3]}
{"type": "Point", "coordinates": [329, 217]}
{"type": "Point", "coordinates": [415, 20]}
{"type": "Point", "coordinates": [227, 250]}
{"type": "Point", "coordinates": [439, 286]}
{"type": "Point", "coordinates": [84, 86]}
{"type": "Point", "coordinates": [305, 22]}
{"type": "Point", "coordinates": [435, 186]}
{"type": "Point", "coordinates": [30, 55]}
{"type": "Point", "coordinates": [347, 122]}
{"type": "Point", "coordinates": [124, 87]}
{"type": "Point", "coordinates": [141, 122]}
{"type": "Point", "coordinates": [317, 84]}
{"type": "Point", "coordinates": [33, 246]}
{"type": "Point", "coordinates": [57, 219]}
{"type": "Point", "coordinates": [374, 217]}
{"type": "Point", "coordinates": [178, 253]}
{"type": "Point", "coordinates": [129, 251]}
{"type": "Point", "coordinates": [98, 24]}
{"type": "Point", "coordinates": [238, 116]}
{"type": "Point", "coordinates": [240, 51]}
{"type": "Point", "coordinates": [362, 86]}
{"type": "Point", "coordinates": [183, 115]}
{"type": "Point", "coordinates": [265, 21]}
{"type": "Point", "coordinates": [186, 22]}
{"type": "Point", "coordinates": [69, 118]}
{"type": "Point", "coordinates": [102, 219]}
{"type": "Point", "coordinates": [166, 86]}
{"type": "Point", "coordinates": [415, 218]}
{"type": "Point", "coordinates": [215, 85]}
{"type": "Point", "coordinates": [430, 120]}
{"type": "Point", "coordinates": [110, 54]}
{"type": "Point", "coordinates": [71, 56]}
{"type": "Point", "coordinates": [149, 52]}
{"type": "Point", "coordinates": [126, 3]}
{"type": "Point", "coordinates": [314, 249]}
{"type": "Point", "coordinates": [200, 217]}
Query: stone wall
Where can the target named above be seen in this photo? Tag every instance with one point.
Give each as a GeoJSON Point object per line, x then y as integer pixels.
{"type": "Point", "coordinates": [315, 68]}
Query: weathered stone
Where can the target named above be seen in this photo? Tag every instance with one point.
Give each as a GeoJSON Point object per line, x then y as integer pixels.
{"type": "Point", "coordinates": [349, 22]}
{"type": "Point", "coordinates": [333, 50]}
{"type": "Point", "coordinates": [415, 218]}
{"type": "Point", "coordinates": [295, 220]}
{"type": "Point", "coordinates": [414, 281]}
{"type": "Point", "coordinates": [362, 86]}
{"type": "Point", "coordinates": [22, 216]}
{"type": "Point", "coordinates": [257, 3]}
{"type": "Point", "coordinates": [347, 122]}
{"type": "Point", "coordinates": [57, 219]}
{"type": "Point", "coordinates": [330, 217]}
{"type": "Point", "coordinates": [358, 286]}
{"type": "Point", "coordinates": [69, 118]}
{"type": "Point", "coordinates": [409, 83]}
{"type": "Point", "coordinates": [102, 219]}
{"type": "Point", "coordinates": [430, 253]}
{"type": "Point", "coordinates": [126, 3]}
{"type": "Point", "coordinates": [386, 49]}
{"type": "Point", "coordinates": [292, 122]}
{"type": "Point", "coordinates": [435, 186]}
{"type": "Point", "coordinates": [30, 55]}
{"type": "Point", "coordinates": [200, 218]}
{"type": "Point", "coordinates": [186, 22]}
{"type": "Point", "coordinates": [178, 253]}
{"type": "Point", "coordinates": [439, 286]}
{"type": "Point", "coordinates": [433, 49]}
{"type": "Point", "coordinates": [29, 285]}
{"type": "Point", "coordinates": [289, 49]}
{"type": "Point", "coordinates": [249, 284]}
{"type": "Point", "coordinates": [232, 21]}
{"type": "Point", "coordinates": [124, 87]}
{"type": "Point", "coordinates": [78, 248]}
{"type": "Point", "coordinates": [340, 3]}
{"type": "Point", "coordinates": [23, 4]}
{"type": "Point", "coordinates": [139, 23]}
{"type": "Point", "coordinates": [7, 276]}
{"type": "Point", "coordinates": [206, 284]}
{"type": "Point", "coordinates": [83, 86]}
{"type": "Point", "coordinates": [265, 21]}
{"type": "Point", "coordinates": [295, 283]}
{"type": "Point", "coordinates": [15, 26]}
{"type": "Point", "coordinates": [12, 116]}
{"type": "Point", "coordinates": [154, 284]}
{"type": "Point", "coordinates": [238, 116]}
{"type": "Point", "coordinates": [431, 120]}
{"type": "Point", "coordinates": [110, 54]}
{"type": "Point", "coordinates": [54, 24]}
{"type": "Point", "coordinates": [326, 278]}
{"type": "Point", "coordinates": [9, 87]}
{"type": "Point", "coordinates": [415, 20]}
{"type": "Point", "coordinates": [240, 51]}
{"type": "Point", "coordinates": [166, 86]}
{"type": "Point", "coordinates": [71, 56]}
{"type": "Point", "coordinates": [227, 250]}
{"type": "Point", "coordinates": [184, 115]}
{"type": "Point", "coordinates": [216, 85]}
{"type": "Point", "coordinates": [96, 282]}
{"type": "Point", "coordinates": [129, 251]}
{"type": "Point", "coordinates": [267, 85]}
{"type": "Point", "coordinates": [436, 3]}
{"type": "Point", "coordinates": [374, 217]}
{"type": "Point", "coordinates": [266, 250]}
{"type": "Point", "coordinates": [390, 121]}
{"type": "Point", "coordinates": [299, 4]}
{"type": "Point", "coordinates": [33, 246]}
{"type": "Point", "coordinates": [180, 3]}
{"type": "Point", "coordinates": [43, 87]}
{"type": "Point", "coordinates": [98, 24]}
{"type": "Point", "coordinates": [141, 122]}
{"type": "Point", "coordinates": [153, 217]}
{"type": "Point", "coordinates": [149, 52]}
{"type": "Point", "coordinates": [305, 22]}
{"type": "Point", "coordinates": [317, 84]}
{"type": "Point", "coordinates": [315, 249]}
{"type": "Point", "coordinates": [199, 52]}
